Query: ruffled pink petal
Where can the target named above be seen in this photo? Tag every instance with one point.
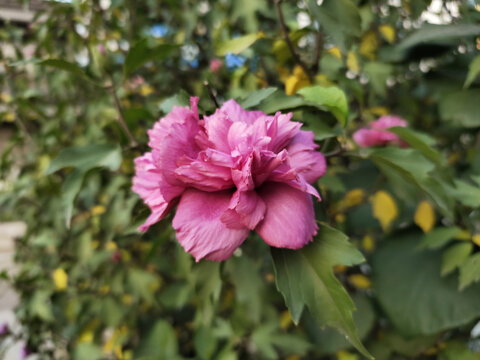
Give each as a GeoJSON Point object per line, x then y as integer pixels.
{"type": "Point", "coordinates": [217, 127]}
{"type": "Point", "coordinates": [282, 130]}
{"type": "Point", "coordinates": [246, 209]}
{"type": "Point", "coordinates": [289, 219]}
{"type": "Point", "coordinates": [236, 113]}
{"type": "Point", "coordinates": [150, 184]}
{"type": "Point", "coordinates": [199, 228]}
{"type": "Point", "coordinates": [173, 137]}
{"type": "Point", "coordinates": [203, 174]}
{"type": "Point", "coordinates": [304, 159]}
{"type": "Point", "coordinates": [388, 121]}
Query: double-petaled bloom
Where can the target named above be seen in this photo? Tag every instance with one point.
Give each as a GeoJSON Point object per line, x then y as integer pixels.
{"type": "Point", "coordinates": [229, 173]}
{"type": "Point", "coordinates": [378, 134]}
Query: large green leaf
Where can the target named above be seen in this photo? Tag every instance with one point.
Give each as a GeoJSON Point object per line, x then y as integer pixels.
{"type": "Point", "coordinates": [339, 18]}
{"type": "Point", "coordinates": [87, 157]}
{"type": "Point", "coordinates": [461, 109]}
{"type": "Point", "coordinates": [237, 45]}
{"type": "Point", "coordinates": [470, 271]}
{"type": "Point", "coordinates": [438, 237]}
{"type": "Point", "coordinates": [256, 97]}
{"type": "Point", "coordinates": [305, 278]}
{"type": "Point", "coordinates": [422, 142]}
{"type": "Point", "coordinates": [431, 33]}
{"type": "Point", "coordinates": [330, 99]}
{"type": "Point", "coordinates": [159, 343]}
{"type": "Point", "coordinates": [141, 53]}
{"type": "Point", "coordinates": [413, 294]}
{"type": "Point", "coordinates": [473, 71]}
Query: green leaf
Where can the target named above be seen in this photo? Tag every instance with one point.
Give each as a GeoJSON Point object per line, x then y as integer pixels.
{"type": "Point", "coordinates": [141, 282]}
{"type": "Point", "coordinates": [378, 73]}
{"type": "Point", "coordinates": [431, 33]}
{"type": "Point", "coordinates": [70, 189]}
{"type": "Point", "coordinates": [237, 45]}
{"type": "Point", "coordinates": [57, 64]}
{"type": "Point", "coordinates": [413, 294]}
{"type": "Point", "coordinates": [180, 99]}
{"type": "Point", "coordinates": [329, 341]}
{"type": "Point", "coordinates": [86, 351]}
{"type": "Point", "coordinates": [339, 18]}
{"type": "Point", "coordinates": [159, 343]}
{"type": "Point", "coordinates": [279, 101]}
{"type": "Point", "coordinates": [456, 350]}
{"type": "Point", "coordinates": [87, 157]}
{"type": "Point", "coordinates": [305, 278]}
{"type": "Point", "coordinates": [421, 142]}
{"type": "Point", "coordinates": [470, 271]}
{"type": "Point", "coordinates": [455, 256]}
{"type": "Point", "coordinates": [330, 99]}
{"type": "Point", "coordinates": [256, 97]}
{"type": "Point", "coordinates": [205, 343]}
{"type": "Point", "coordinates": [40, 305]}
{"type": "Point", "coordinates": [473, 71]}
{"type": "Point", "coordinates": [438, 237]}
{"type": "Point", "coordinates": [467, 194]}
{"type": "Point", "coordinates": [461, 109]}
{"type": "Point", "coordinates": [141, 53]}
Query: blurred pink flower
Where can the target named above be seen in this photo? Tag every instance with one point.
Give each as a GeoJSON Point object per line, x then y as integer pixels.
{"type": "Point", "coordinates": [215, 65]}
{"type": "Point", "coordinates": [230, 172]}
{"type": "Point", "coordinates": [378, 135]}
{"type": "Point", "coordinates": [101, 49]}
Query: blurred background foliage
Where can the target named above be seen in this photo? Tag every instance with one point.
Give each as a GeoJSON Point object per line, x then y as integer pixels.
{"type": "Point", "coordinates": [82, 83]}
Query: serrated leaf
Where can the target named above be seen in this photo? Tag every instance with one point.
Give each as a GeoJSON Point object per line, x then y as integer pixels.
{"type": "Point", "coordinates": [470, 271]}
{"type": "Point", "coordinates": [439, 237]}
{"type": "Point", "coordinates": [141, 53]}
{"type": "Point", "coordinates": [331, 99]}
{"type": "Point", "coordinates": [455, 256]}
{"type": "Point", "coordinates": [237, 45]}
{"type": "Point", "coordinates": [305, 278]}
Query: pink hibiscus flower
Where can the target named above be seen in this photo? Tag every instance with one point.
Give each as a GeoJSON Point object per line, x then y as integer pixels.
{"type": "Point", "coordinates": [229, 173]}
{"type": "Point", "coordinates": [215, 65]}
{"type": "Point", "coordinates": [378, 135]}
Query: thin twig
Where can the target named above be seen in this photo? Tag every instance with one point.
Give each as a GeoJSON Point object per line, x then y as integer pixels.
{"type": "Point", "coordinates": [120, 118]}
{"type": "Point", "coordinates": [318, 52]}
{"type": "Point", "coordinates": [211, 94]}
{"type": "Point", "coordinates": [287, 40]}
{"type": "Point", "coordinates": [334, 153]}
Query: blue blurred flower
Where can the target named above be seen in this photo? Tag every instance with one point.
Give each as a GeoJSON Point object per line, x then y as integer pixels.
{"type": "Point", "coordinates": [158, 30]}
{"type": "Point", "coordinates": [233, 61]}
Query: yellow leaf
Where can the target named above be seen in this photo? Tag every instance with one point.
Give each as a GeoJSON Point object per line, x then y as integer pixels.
{"type": "Point", "coordinates": [384, 208]}
{"type": "Point", "coordinates": [146, 90]}
{"type": "Point", "coordinates": [114, 342]}
{"type": "Point", "coordinates": [425, 216]}
{"type": "Point", "coordinates": [379, 110]}
{"type": "Point", "coordinates": [463, 235]}
{"type": "Point", "coordinates": [9, 116]}
{"type": "Point", "coordinates": [111, 246]}
{"type": "Point", "coordinates": [86, 336]}
{"type": "Point", "coordinates": [98, 210]}
{"type": "Point", "coordinates": [285, 320]}
{"type": "Point", "coordinates": [6, 97]}
{"type": "Point", "coordinates": [368, 243]}
{"type": "Point", "coordinates": [345, 355]}
{"type": "Point", "coordinates": [360, 281]}
{"type": "Point", "coordinates": [60, 279]}
{"type": "Point", "coordinates": [369, 45]}
{"type": "Point", "coordinates": [352, 62]}
{"type": "Point", "coordinates": [335, 51]}
{"type": "Point", "coordinates": [476, 239]}
{"type": "Point", "coordinates": [354, 197]}
{"type": "Point", "coordinates": [388, 33]}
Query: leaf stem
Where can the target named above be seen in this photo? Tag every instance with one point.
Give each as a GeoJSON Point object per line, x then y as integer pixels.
{"type": "Point", "coordinates": [121, 118]}
{"type": "Point", "coordinates": [211, 94]}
